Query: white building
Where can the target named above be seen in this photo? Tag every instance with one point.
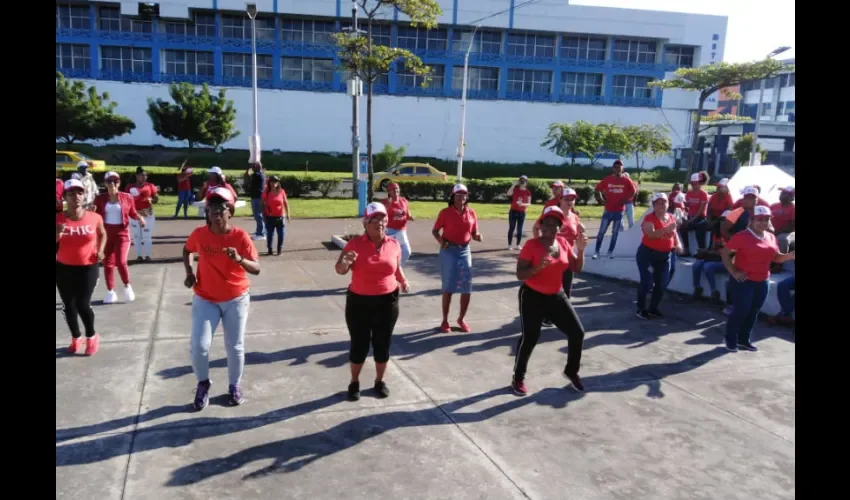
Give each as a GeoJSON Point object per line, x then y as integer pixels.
{"type": "Point", "coordinates": [531, 65]}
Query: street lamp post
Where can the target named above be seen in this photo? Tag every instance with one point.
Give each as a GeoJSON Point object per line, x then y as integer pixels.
{"type": "Point", "coordinates": [461, 144]}
{"type": "Point", "coordinates": [355, 90]}
{"type": "Point", "coordinates": [254, 143]}
{"type": "Point", "coordinates": [758, 109]}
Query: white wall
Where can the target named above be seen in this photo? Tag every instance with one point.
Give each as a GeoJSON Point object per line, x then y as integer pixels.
{"type": "Point", "coordinates": [500, 131]}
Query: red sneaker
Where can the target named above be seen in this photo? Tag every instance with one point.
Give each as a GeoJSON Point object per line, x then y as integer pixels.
{"type": "Point", "coordinates": [445, 328]}
{"type": "Point", "coordinates": [75, 345]}
{"type": "Point", "coordinates": [463, 326]}
{"type": "Point", "coordinates": [519, 387]}
{"type": "Point", "coordinates": [91, 345]}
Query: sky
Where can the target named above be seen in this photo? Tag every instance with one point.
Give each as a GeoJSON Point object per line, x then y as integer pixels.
{"type": "Point", "coordinates": [755, 28]}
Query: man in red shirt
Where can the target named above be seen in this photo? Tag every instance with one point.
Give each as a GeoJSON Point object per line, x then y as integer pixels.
{"type": "Point", "coordinates": [615, 190]}
{"type": "Point", "coordinates": [783, 217]}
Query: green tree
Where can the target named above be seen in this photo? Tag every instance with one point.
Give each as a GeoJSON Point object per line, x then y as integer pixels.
{"type": "Point", "coordinates": [196, 116]}
{"type": "Point", "coordinates": [570, 140]}
{"type": "Point", "coordinates": [361, 57]}
{"type": "Point", "coordinates": [82, 114]}
{"type": "Point", "coordinates": [710, 78]}
{"type": "Point", "coordinates": [389, 156]}
{"type": "Point", "coordinates": [612, 140]}
{"type": "Point", "coordinates": [647, 141]}
{"type": "Point", "coordinates": [743, 147]}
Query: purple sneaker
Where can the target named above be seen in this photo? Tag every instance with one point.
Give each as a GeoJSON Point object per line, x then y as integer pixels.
{"type": "Point", "coordinates": [235, 393]}
{"type": "Point", "coordinates": [202, 395]}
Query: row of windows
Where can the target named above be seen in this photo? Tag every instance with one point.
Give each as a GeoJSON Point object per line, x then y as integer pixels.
{"type": "Point", "coordinates": [783, 108]}
{"type": "Point", "coordinates": [319, 32]}
{"type": "Point", "coordinates": [782, 81]}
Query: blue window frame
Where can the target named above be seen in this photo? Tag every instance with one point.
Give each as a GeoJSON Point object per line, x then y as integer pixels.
{"type": "Point", "coordinates": [583, 48]}
{"type": "Point", "coordinates": [438, 74]}
{"type": "Point", "coordinates": [238, 66]}
{"type": "Point", "coordinates": [581, 84]}
{"type": "Point", "coordinates": [120, 60]}
{"type": "Point", "coordinates": [239, 27]}
{"type": "Point", "coordinates": [188, 62]}
{"type": "Point", "coordinates": [72, 16]}
{"type": "Point", "coordinates": [486, 42]}
{"type": "Point", "coordinates": [635, 51]}
{"type": "Point", "coordinates": [422, 40]}
{"type": "Point", "coordinates": [303, 69]}
{"type": "Point", "coordinates": [679, 56]}
{"type": "Point", "coordinates": [632, 86]}
{"type": "Point", "coordinates": [202, 25]}
{"type": "Point", "coordinates": [530, 82]}
{"type": "Point", "coordinates": [531, 45]}
{"type": "Point", "coordinates": [72, 56]}
{"type": "Point", "coordinates": [110, 19]}
{"type": "Point", "coordinates": [486, 79]}
{"type": "Point", "coordinates": [310, 31]}
{"type": "Point", "coordinates": [381, 33]}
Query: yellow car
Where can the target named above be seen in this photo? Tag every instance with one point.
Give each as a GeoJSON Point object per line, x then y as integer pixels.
{"type": "Point", "coordinates": [407, 172]}
{"type": "Point", "coordinates": [69, 159]}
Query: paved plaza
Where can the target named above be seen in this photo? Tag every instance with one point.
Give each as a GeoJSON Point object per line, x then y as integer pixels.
{"type": "Point", "coordinates": [668, 413]}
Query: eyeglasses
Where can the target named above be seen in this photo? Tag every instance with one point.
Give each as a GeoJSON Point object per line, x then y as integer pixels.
{"type": "Point", "coordinates": [218, 209]}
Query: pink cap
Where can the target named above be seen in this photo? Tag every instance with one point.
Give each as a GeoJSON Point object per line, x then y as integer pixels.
{"type": "Point", "coordinates": [223, 193]}
{"type": "Point", "coordinates": [657, 196]}
{"type": "Point", "coordinates": [680, 198]}
{"type": "Point", "coordinates": [569, 192]}
{"type": "Point", "coordinates": [374, 209]}
{"type": "Point", "coordinates": [749, 190]}
{"type": "Point", "coordinates": [460, 188]}
{"type": "Point", "coordinates": [74, 184]}
{"type": "Point", "coordinates": [722, 182]}
{"type": "Point", "coordinates": [554, 211]}
{"type": "Point", "coordinates": [557, 184]}
{"type": "Point", "coordinates": [111, 175]}
{"type": "Point", "coordinates": [761, 211]}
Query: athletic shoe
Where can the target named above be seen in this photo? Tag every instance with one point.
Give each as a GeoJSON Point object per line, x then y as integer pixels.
{"type": "Point", "coordinates": [643, 314]}
{"type": "Point", "coordinates": [111, 297]}
{"type": "Point", "coordinates": [148, 259]}
{"type": "Point", "coordinates": [235, 393]}
{"type": "Point", "coordinates": [75, 345]}
{"type": "Point", "coordinates": [463, 326]}
{"type": "Point", "coordinates": [518, 387]}
{"type": "Point", "coordinates": [594, 256]}
{"type": "Point", "coordinates": [547, 323]}
{"type": "Point", "coordinates": [655, 314]}
{"type": "Point", "coordinates": [129, 295]}
{"type": "Point", "coordinates": [697, 293]}
{"type": "Point", "coordinates": [354, 391]}
{"type": "Point", "coordinates": [91, 345]}
{"type": "Point", "coordinates": [382, 389]}
{"type": "Point", "coordinates": [747, 347]}
{"type": "Point", "coordinates": [731, 348]}
{"type": "Point", "coordinates": [575, 380]}
{"type": "Point", "coordinates": [202, 395]}
{"type": "Point", "coordinates": [445, 328]}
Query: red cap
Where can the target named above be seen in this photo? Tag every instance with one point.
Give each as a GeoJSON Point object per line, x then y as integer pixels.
{"type": "Point", "coordinates": [556, 212]}
{"type": "Point", "coordinates": [392, 185]}
{"type": "Point", "coordinates": [223, 193]}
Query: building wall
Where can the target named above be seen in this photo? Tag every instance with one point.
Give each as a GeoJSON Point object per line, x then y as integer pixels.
{"type": "Point", "coordinates": [537, 78]}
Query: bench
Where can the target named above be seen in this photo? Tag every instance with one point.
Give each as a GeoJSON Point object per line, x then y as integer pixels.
{"type": "Point", "coordinates": [202, 207]}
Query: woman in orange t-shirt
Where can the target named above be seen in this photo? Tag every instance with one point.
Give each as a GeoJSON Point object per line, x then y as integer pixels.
{"type": "Point", "coordinates": [81, 238]}
{"type": "Point", "coordinates": [275, 210]}
{"type": "Point", "coordinates": [660, 240]}
{"type": "Point", "coordinates": [540, 266]}
{"type": "Point", "coordinates": [520, 197]}
{"type": "Point", "coordinates": [371, 303]}
{"type": "Point", "coordinates": [226, 257]}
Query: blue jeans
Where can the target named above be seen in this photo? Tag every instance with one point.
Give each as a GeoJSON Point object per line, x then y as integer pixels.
{"type": "Point", "coordinates": [515, 221]}
{"type": "Point", "coordinates": [456, 269]}
{"type": "Point", "coordinates": [656, 280]}
{"type": "Point", "coordinates": [709, 268]}
{"type": "Point", "coordinates": [233, 315]}
{"type": "Point", "coordinates": [747, 300]}
{"type": "Point", "coordinates": [400, 235]}
{"type": "Point", "coordinates": [630, 214]}
{"type": "Point", "coordinates": [783, 293]}
{"type": "Point", "coordinates": [257, 211]}
{"type": "Point", "coordinates": [274, 224]}
{"type": "Point", "coordinates": [609, 218]}
{"type": "Point", "coordinates": [184, 199]}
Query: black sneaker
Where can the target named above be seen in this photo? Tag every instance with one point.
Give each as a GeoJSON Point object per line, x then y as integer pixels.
{"type": "Point", "coordinates": [575, 380]}
{"type": "Point", "coordinates": [202, 395]}
{"type": "Point", "coordinates": [148, 259]}
{"type": "Point", "coordinates": [235, 394]}
{"type": "Point", "coordinates": [655, 314]}
{"type": "Point", "coordinates": [279, 251]}
{"type": "Point", "coordinates": [354, 391]}
{"type": "Point", "coordinates": [643, 314]}
{"type": "Point", "coordinates": [269, 252]}
{"type": "Point", "coordinates": [548, 323]}
{"type": "Point", "coordinates": [747, 347]}
{"type": "Point", "coordinates": [140, 259]}
{"type": "Point", "coordinates": [715, 296]}
{"type": "Point", "coordinates": [382, 389]}
{"type": "Point", "coordinates": [697, 293]}
{"type": "Point", "coordinates": [731, 348]}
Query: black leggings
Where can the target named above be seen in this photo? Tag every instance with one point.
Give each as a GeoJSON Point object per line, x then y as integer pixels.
{"type": "Point", "coordinates": [567, 282]}
{"type": "Point", "coordinates": [371, 320]}
{"type": "Point", "coordinates": [76, 286]}
{"type": "Point", "coordinates": [533, 307]}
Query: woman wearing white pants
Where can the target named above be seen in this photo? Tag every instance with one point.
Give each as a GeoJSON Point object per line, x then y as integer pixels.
{"type": "Point", "coordinates": [398, 210]}
{"type": "Point", "coordinates": [144, 194]}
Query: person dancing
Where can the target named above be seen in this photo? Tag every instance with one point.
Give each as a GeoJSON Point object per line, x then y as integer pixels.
{"type": "Point", "coordinates": [540, 266]}
{"type": "Point", "coordinates": [184, 191]}
{"type": "Point", "coordinates": [117, 209]}
{"type": "Point", "coordinates": [145, 194]}
{"type": "Point", "coordinates": [459, 225]}
{"type": "Point", "coordinates": [371, 302]}
{"type": "Point", "coordinates": [81, 239]}
{"type": "Point", "coordinates": [275, 208]}
{"type": "Point", "coordinates": [226, 256]}
{"type": "Point", "coordinates": [660, 240]}
{"type": "Point", "coordinates": [398, 210]}
{"type": "Point", "coordinates": [520, 197]}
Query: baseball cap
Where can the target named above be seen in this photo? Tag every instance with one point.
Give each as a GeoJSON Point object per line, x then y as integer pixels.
{"type": "Point", "coordinates": [392, 185]}
{"type": "Point", "coordinates": [722, 182]}
{"type": "Point", "coordinates": [374, 209]}
{"type": "Point", "coordinates": [74, 184]}
{"type": "Point", "coordinates": [82, 164]}
{"type": "Point", "coordinates": [761, 211]}
{"type": "Point", "coordinates": [458, 188]}
{"type": "Point", "coordinates": [749, 190]}
{"type": "Point", "coordinates": [569, 192]}
{"type": "Point", "coordinates": [788, 189]}
{"type": "Point", "coordinates": [657, 196]}
{"type": "Point", "coordinates": [725, 213]}
{"type": "Point", "coordinates": [188, 171]}
{"type": "Point", "coordinates": [554, 211]}
{"type": "Point", "coordinates": [223, 193]}
{"type": "Point", "coordinates": [557, 184]}
{"type": "Point", "coordinates": [617, 162]}
{"type": "Point", "coordinates": [111, 175]}
{"type": "Point", "coordinates": [214, 170]}
{"type": "Point", "coordinates": [680, 198]}
{"type": "Point", "coordinates": [695, 177]}
{"type": "Point", "coordinates": [523, 177]}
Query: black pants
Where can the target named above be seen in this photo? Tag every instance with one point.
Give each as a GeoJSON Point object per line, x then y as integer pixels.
{"type": "Point", "coordinates": [370, 320]}
{"type": "Point", "coordinates": [567, 282]}
{"type": "Point", "coordinates": [533, 307]}
{"type": "Point", "coordinates": [274, 224]}
{"type": "Point", "coordinates": [76, 286]}
{"type": "Point", "coordinates": [698, 225]}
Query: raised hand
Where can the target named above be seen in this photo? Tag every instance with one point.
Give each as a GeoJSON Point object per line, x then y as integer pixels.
{"type": "Point", "coordinates": [349, 257]}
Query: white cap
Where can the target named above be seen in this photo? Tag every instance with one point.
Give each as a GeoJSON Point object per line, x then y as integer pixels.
{"type": "Point", "coordinates": [77, 176]}
{"type": "Point", "coordinates": [722, 182]}
{"type": "Point", "coordinates": [221, 192]}
{"type": "Point", "coordinates": [374, 209]}
{"type": "Point", "coordinates": [458, 188]}
{"type": "Point", "coordinates": [134, 191]}
{"type": "Point", "coordinates": [761, 210]}
{"type": "Point", "coordinates": [695, 177]}
{"type": "Point", "coordinates": [680, 198]}
{"type": "Point", "coordinates": [749, 190]}
{"type": "Point", "coordinates": [82, 163]}
{"type": "Point", "coordinates": [214, 170]}
{"type": "Point", "coordinates": [110, 175]}
{"type": "Point", "coordinates": [188, 171]}
{"type": "Point", "coordinates": [725, 213]}
{"type": "Point", "coordinates": [74, 183]}
{"type": "Point", "coordinates": [657, 196]}
{"type": "Point", "coordinates": [557, 184]}
{"type": "Point", "coordinates": [569, 192]}
{"type": "Point", "coordinates": [523, 177]}
{"type": "Point", "coordinates": [788, 189]}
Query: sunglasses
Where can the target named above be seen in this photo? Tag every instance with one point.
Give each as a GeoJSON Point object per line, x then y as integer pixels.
{"type": "Point", "coordinates": [218, 209]}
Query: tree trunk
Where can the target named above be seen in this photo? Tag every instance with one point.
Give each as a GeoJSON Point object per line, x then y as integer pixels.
{"type": "Point", "coordinates": [695, 139]}
{"type": "Point", "coordinates": [371, 189]}
{"type": "Point", "coordinates": [637, 161]}
{"type": "Point", "coordinates": [189, 153]}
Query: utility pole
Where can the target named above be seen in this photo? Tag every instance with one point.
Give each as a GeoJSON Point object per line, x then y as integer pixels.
{"type": "Point", "coordinates": [462, 142]}
{"type": "Point", "coordinates": [254, 142]}
{"type": "Point", "coordinates": [355, 89]}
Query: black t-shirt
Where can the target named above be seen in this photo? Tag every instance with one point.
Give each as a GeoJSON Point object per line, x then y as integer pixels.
{"type": "Point", "coordinates": [258, 183]}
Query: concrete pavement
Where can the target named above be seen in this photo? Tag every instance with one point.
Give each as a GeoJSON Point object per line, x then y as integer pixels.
{"type": "Point", "coordinates": [667, 414]}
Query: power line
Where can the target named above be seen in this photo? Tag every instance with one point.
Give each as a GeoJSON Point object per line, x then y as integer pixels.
{"type": "Point", "coordinates": [515, 7]}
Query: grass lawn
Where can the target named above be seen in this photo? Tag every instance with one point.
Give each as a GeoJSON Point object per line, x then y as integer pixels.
{"type": "Point", "coordinates": [322, 208]}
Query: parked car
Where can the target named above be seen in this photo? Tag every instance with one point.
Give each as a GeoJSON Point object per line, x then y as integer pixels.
{"type": "Point", "coordinates": [69, 159]}
{"type": "Point", "coordinates": [407, 172]}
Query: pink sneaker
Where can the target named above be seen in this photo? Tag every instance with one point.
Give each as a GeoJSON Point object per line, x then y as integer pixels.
{"type": "Point", "coordinates": [75, 345]}
{"type": "Point", "coordinates": [91, 345]}
{"type": "Point", "coordinates": [445, 328]}
{"type": "Point", "coordinates": [463, 326]}
{"type": "Point", "coordinates": [519, 387]}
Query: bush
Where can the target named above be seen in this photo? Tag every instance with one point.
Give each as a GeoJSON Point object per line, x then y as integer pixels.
{"type": "Point", "coordinates": [642, 197]}
{"type": "Point", "coordinates": [583, 195]}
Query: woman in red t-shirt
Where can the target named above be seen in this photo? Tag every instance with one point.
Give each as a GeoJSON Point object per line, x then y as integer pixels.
{"type": "Point", "coordinates": [570, 229]}
{"type": "Point", "coordinates": [696, 206]}
{"type": "Point", "coordinates": [145, 195]}
{"type": "Point", "coordinates": [754, 250]}
{"type": "Point", "coordinates": [541, 266]}
{"type": "Point", "coordinates": [520, 197]}
{"type": "Point", "coordinates": [459, 225]}
{"type": "Point", "coordinates": [117, 210]}
{"type": "Point", "coordinates": [371, 303]}
{"type": "Point", "coordinates": [275, 209]}
{"type": "Point", "coordinates": [660, 239]}
{"type": "Point", "coordinates": [226, 257]}
{"type": "Point", "coordinates": [184, 190]}
{"type": "Point", "coordinates": [81, 238]}
{"type": "Point", "coordinates": [398, 215]}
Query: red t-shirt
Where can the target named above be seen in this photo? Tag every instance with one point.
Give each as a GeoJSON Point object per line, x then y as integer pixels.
{"type": "Point", "coordinates": [719, 203]}
{"type": "Point", "coordinates": [219, 279]}
{"type": "Point", "coordinates": [184, 185]}
{"type": "Point", "coordinates": [398, 212]}
{"type": "Point", "coordinates": [274, 203]}
{"type": "Point", "coordinates": [740, 203]}
{"type": "Point", "coordinates": [60, 191]}
{"type": "Point", "coordinates": [781, 216]}
{"type": "Point", "coordinates": [617, 190]}
{"type": "Point", "coordinates": [227, 186]}
{"type": "Point", "coordinates": [457, 227]}
{"type": "Point", "coordinates": [142, 194]}
{"type": "Point", "coordinates": [373, 271]}
{"type": "Point", "coordinates": [692, 201]}
{"type": "Point", "coordinates": [663, 244]}
{"type": "Point", "coordinates": [548, 281]}
{"type": "Point", "coordinates": [520, 196]}
{"type": "Point", "coordinates": [753, 255]}
{"type": "Point", "coordinates": [569, 229]}
{"type": "Point", "coordinates": [554, 202]}
{"type": "Point", "coordinates": [78, 244]}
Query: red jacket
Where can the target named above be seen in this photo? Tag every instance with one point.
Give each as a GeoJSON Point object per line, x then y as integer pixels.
{"type": "Point", "coordinates": [128, 207]}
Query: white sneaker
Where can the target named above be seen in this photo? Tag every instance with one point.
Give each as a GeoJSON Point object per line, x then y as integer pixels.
{"type": "Point", "coordinates": [111, 297]}
{"type": "Point", "coordinates": [129, 296]}
{"type": "Point", "coordinates": [258, 237]}
{"type": "Point", "coordinates": [510, 248]}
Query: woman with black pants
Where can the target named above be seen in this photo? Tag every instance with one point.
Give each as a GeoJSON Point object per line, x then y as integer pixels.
{"type": "Point", "coordinates": [660, 239]}
{"type": "Point", "coordinates": [540, 266]}
{"type": "Point", "coordinates": [275, 209]}
{"type": "Point", "coordinates": [81, 240]}
{"type": "Point", "coordinates": [371, 303]}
